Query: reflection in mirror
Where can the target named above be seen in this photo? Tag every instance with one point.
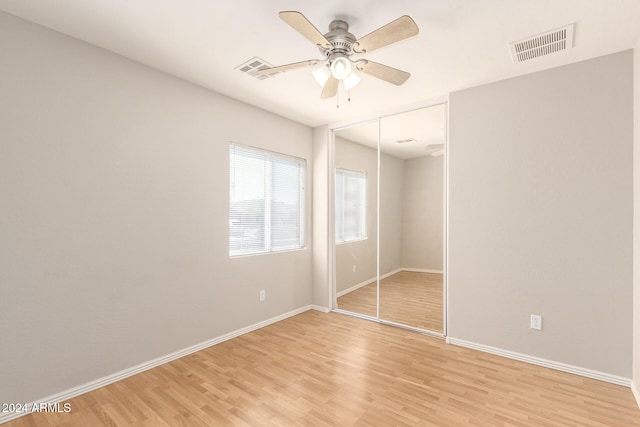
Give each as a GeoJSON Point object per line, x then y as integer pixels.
{"type": "Point", "coordinates": [356, 177]}
{"type": "Point", "coordinates": [411, 218]}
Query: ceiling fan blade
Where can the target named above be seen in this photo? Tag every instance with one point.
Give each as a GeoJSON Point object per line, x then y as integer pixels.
{"type": "Point", "coordinates": [302, 25]}
{"type": "Point", "coordinates": [383, 72]}
{"type": "Point", "coordinates": [330, 88]}
{"type": "Point", "coordinates": [395, 31]}
{"type": "Point", "coordinates": [435, 150]}
{"type": "Point", "coordinates": [273, 70]}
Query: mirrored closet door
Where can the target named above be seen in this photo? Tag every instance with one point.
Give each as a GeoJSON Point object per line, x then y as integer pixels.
{"type": "Point", "coordinates": [356, 218]}
{"type": "Point", "coordinates": [401, 159]}
{"type": "Point", "coordinates": [411, 218]}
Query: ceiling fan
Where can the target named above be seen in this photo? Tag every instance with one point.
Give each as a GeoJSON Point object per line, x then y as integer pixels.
{"type": "Point", "coordinates": [342, 51]}
{"type": "Point", "coordinates": [435, 150]}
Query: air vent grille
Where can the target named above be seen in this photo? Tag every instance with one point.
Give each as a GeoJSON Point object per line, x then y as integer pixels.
{"type": "Point", "coordinates": [406, 141]}
{"type": "Point", "coordinates": [252, 66]}
{"type": "Point", "coordinates": [346, 45]}
{"type": "Point", "coordinates": [542, 44]}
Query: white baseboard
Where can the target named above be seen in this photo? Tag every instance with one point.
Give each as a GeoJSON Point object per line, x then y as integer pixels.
{"type": "Point", "coordinates": [366, 282]}
{"type": "Point", "coordinates": [636, 394]}
{"type": "Point", "coordinates": [355, 287]}
{"type": "Point", "coordinates": [596, 375]}
{"type": "Point", "coordinates": [319, 308]}
{"type": "Point", "coordinates": [391, 273]}
{"type": "Point", "coordinates": [422, 270]}
{"type": "Point", "coordinates": [109, 379]}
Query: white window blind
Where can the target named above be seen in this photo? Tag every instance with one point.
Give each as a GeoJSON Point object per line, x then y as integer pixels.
{"type": "Point", "coordinates": [351, 205]}
{"type": "Point", "coordinates": [266, 201]}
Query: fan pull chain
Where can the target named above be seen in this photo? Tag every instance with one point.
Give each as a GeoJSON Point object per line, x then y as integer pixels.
{"type": "Point", "coordinates": [338, 99]}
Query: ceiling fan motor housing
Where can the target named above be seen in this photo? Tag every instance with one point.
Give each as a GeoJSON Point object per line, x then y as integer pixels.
{"type": "Point", "coordinates": [340, 38]}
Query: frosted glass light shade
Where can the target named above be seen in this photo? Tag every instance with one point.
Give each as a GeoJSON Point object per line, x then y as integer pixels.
{"type": "Point", "coordinates": [321, 75]}
{"type": "Point", "coordinates": [341, 68]}
{"type": "Point", "coordinates": [351, 81]}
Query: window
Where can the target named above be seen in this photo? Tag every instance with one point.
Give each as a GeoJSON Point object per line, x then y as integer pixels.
{"type": "Point", "coordinates": [351, 205]}
{"type": "Point", "coordinates": [266, 201]}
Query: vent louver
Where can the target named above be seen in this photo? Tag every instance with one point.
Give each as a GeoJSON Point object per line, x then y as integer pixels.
{"type": "Point", "coordinates": [406, 141]}
{"type": "Point", "coordinates": [254, 65]}
{"type": "Point", "coordinates": [542, 44]}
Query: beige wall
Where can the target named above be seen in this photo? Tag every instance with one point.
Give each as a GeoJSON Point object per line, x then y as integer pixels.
{"type": "Point", "coordinates": [541, 214]}
{"type": "Point", "coordinates": [114, 214]}
{"type": "Point", "coordinates": [422, 213]}
{"type": "Point", "coordinates": [636, 222]}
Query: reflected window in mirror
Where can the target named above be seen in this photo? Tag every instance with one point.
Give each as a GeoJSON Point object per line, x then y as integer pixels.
{"type": "Point", "coordinates": [351, 206]}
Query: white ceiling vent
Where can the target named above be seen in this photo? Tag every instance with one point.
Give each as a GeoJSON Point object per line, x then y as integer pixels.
{"type": "Point", "coordinates": [406, 141]}
{"type": "Point", "coordinates": [542, 44]}
{"type": "Point", "coordinates": [252, 67]}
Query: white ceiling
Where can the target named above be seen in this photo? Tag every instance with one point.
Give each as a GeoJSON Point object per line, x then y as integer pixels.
{"type": "Point", "coordinates": [462, 43]}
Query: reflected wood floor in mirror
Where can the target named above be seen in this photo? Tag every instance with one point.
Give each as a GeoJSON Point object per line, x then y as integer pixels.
{"type": "Point", "coordinates": [335, 370]}
{"type": "Point", "coordinates": [407, 297]}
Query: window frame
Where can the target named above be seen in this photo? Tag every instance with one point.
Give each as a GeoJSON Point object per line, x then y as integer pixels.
{"type": "Point", "coordinates": [267, 240]}
{"type": "Point", "coordinates": [363, 225]}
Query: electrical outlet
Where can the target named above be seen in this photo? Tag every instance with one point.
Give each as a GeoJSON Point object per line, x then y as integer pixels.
{"type": "Point", "coordinates": [263, 295]}
{"type": "Point", "coordinates": [354, 268]}
{"type": "Point", "coordinates": [536, 322]}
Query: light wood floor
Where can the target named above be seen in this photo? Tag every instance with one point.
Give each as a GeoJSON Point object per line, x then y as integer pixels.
{"type": "Point", "coordinates": [407, 297]}
{"type": "Point", "coordinates": [336, 370]}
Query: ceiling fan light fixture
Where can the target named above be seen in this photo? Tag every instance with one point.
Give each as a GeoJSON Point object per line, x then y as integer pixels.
{"type": "Point", "coordinates": [321, 75]}
{"type": "Point", "coordinates": [341, 67]}
{"type": "Point", "coordinates": [351, 81]}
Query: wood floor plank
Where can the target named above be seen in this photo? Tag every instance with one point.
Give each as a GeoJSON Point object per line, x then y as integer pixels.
{"type": "Point", "coordinates": [407, 297]}
{"type": "Point", "coordinates": [335, 370]}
